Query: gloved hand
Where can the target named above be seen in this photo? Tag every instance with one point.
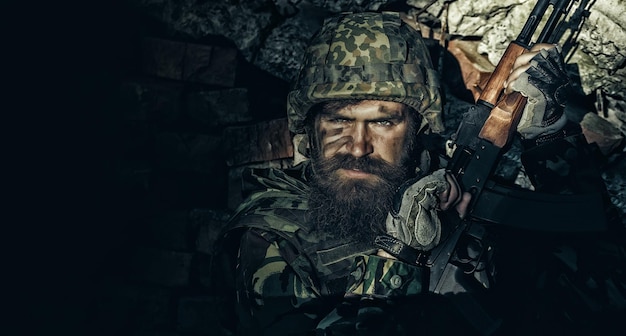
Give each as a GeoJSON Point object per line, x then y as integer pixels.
{"type": "Point", "coordinates": [540, 75]}
{"type": "Point", "coordinates": [413, 219]}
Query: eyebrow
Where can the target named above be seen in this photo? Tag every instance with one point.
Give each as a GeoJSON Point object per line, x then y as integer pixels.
{"type": "Point", "coordinates": [387, 114]}
{"type": "Point", "coordinates": [393, 113]}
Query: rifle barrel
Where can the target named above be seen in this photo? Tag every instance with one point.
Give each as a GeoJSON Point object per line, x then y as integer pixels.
{"type": "Point", "coordinates": [559, 8]}
{"type": "Point", "coordinates": [525, 36]}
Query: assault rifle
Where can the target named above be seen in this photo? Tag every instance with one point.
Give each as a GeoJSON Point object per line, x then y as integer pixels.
{"type": "Point", "coordinates": [486, 131]}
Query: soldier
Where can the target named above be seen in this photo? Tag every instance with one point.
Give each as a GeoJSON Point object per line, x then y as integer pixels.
{"type": "Point", "coordinates": [314, 248]}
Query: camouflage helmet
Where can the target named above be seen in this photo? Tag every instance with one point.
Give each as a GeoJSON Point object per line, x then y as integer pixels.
{"type": "Point", "coordinates": [367, 55]}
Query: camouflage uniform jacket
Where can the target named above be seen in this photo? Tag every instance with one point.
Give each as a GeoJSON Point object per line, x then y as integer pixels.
{"type": "Point", "coordinates": [289, 279]}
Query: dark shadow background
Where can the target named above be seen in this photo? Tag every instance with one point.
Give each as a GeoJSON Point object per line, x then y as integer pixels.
{"type": "Point", "coordinates": [67, 209]}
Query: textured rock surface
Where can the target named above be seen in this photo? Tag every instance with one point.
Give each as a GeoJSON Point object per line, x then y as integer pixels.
{"type": "Point", "coordinates": [597, 59]}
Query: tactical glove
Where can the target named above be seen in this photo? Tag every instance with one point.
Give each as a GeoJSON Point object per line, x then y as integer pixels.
{"type": "Point", "coordinates": [547, 87]}
{"type": "Point", "coordinates": [413, 219]}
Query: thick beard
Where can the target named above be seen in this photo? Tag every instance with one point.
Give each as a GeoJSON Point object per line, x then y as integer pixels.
{"type": "Point", "coordinates": [353, 209]}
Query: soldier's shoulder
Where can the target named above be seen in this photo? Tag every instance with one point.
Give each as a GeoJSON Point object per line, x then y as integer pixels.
{"type": "Point", "coordinates": [279, 201]}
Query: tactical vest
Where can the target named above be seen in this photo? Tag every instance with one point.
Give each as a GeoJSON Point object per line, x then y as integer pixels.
{"type": "Point", "coordinates": [279, 214]}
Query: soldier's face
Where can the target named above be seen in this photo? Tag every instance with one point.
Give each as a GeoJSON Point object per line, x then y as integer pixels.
{"type": "Point", "coordinates": [360, 158]}
{"type": "Point", "coordinates": [370, 130]}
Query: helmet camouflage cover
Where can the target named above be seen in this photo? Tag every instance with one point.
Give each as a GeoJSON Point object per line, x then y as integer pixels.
{"type": "Point", "coordinates": [367, 55]}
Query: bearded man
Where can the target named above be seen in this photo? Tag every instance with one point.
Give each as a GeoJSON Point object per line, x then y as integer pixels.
{"type": "Point", "coordinates": [352, 185]}
{"type": "Point", "coordinates": [311, 250]}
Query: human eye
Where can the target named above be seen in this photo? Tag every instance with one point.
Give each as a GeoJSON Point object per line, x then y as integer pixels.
{"type": "Point", "coordinates": [384, 122]}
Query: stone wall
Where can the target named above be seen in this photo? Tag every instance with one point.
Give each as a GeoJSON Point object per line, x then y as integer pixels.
{"type": "Point", "coordinates": [193, 114]}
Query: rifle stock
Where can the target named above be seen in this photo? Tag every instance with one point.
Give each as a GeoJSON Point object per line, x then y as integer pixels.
{"type": "Point", "coordinates": [493, 88]}
{"type": "Point", "coordinates": [502, 122]}
{"type": "Point", "coordinates": [507, 109]}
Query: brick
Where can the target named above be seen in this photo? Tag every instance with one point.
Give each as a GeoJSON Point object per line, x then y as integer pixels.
{"type": "Point", "coordinates": [208, 224]}
{"type": "Point", "coordinates": [265, 141]}
{"type": "Point", "coordinates": [219, 107]}
{"type": "Point", "coordinates": [120, 305]}
{"type": "Point", "coordinates": [235, 195]}
{"type": "Point", "coordinates": [183, 190]}
{"type": "Point", "coordinates": [138, 140]}
{"type": "Point", "coordinates": [206, 239]}
{"type": "Point", "coordinates": [212, 65]}
{"type": "Point", "coordinates": [205, 64]}
{"type": "Point", "coordinates": [198, 315]}
{"type": "Point", "coordinates": [145, 99]}
{"type": "Point", "coordinates": [153, 308]}
{"type": "Point", "coordinates": [158, 332]}
{"type": "Point", "coordinates": [201, 271]}
{"type": "Point", "coordinates": [134, 176]}
{"type": "Point", "coordinates": [162, 267]}
{"type": "Point", "coordinates": [190, 152]}
{"type": "Point", "coordinates": [163, 58]}
{"type": "Point", "coordinates": [170, 230]}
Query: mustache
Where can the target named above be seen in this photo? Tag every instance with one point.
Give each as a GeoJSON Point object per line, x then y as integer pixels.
{"type": "Point", "coordinates": [365, 164]}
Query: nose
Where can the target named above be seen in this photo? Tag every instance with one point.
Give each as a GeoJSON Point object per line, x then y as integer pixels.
{"type": "Point", "coordinates": [361, 144]}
